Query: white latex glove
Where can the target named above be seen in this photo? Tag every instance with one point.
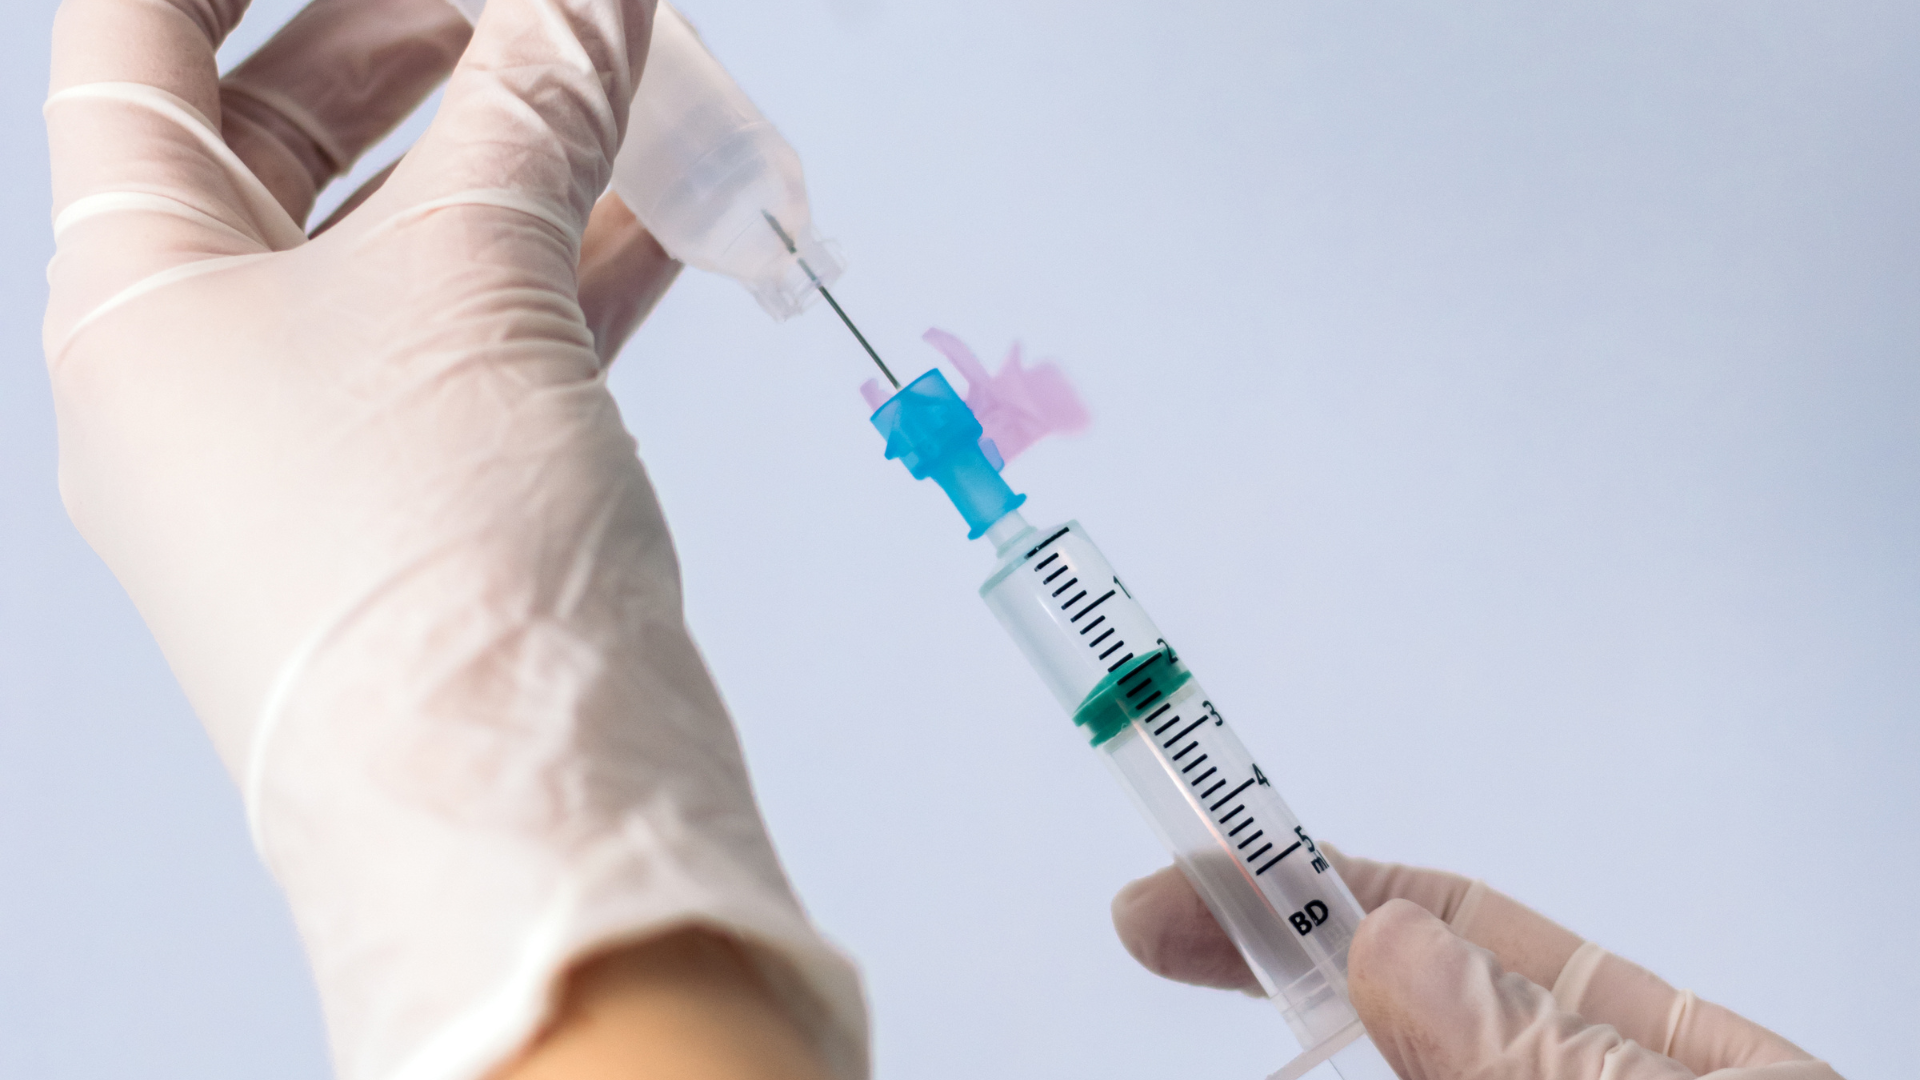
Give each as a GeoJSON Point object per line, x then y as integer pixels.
{"type": "Point", "coordinates": [1454, 980]}
{"type": "Point", "coordinates": [374, 500]}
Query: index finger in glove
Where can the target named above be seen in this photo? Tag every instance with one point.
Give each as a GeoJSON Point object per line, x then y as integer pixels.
{"type": "Point", "coordinates": [623, 273]}
{"type": "Point", "coordinates": [1584, 978]}
{"type": "Point", "coordinates": [532, 116]}
{"type": "Point", "coordinates": [142, 180]}
{"type": "Point", "coordinates": [1440, 1007]}
{"type": "Point", "coordinates": [1527, 943]}
{"type": "Point", "coordinates": [330, 84]}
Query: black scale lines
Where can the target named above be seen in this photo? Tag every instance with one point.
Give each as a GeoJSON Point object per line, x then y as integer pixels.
{"type": "Point", "coordinates": [1295, 846]}
{"type": "Point", "coordinates": [1066, 568]}
{"type": "Point", "coordinates": [1095, 604]}
{"type": "Point", "coordinates": [1143, 695]}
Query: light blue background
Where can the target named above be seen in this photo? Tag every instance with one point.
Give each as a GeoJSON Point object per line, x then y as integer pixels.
{"type": "Point", "coordinates": [1509, 409]}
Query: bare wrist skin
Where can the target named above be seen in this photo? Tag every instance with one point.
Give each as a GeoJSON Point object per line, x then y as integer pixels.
{"type": "Point", "coordinates": [686, 1006]}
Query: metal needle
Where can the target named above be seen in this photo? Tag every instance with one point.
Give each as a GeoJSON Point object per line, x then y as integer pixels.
{"type": "Point", "coordinates": [835, 304]}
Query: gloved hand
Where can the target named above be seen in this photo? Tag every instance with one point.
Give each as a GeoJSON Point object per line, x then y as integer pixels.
{"type": "Point", "coordinates": [374, 500]}
{"type": "Point", "coordinates": [1455, 980]}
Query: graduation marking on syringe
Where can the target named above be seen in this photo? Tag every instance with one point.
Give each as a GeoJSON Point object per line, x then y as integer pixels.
{"type": "Point", "coordinates": [1182, 743]}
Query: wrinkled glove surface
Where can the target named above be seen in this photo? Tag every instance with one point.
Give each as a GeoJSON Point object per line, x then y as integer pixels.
{"type": "Point", "coordinates": [1454, 981]}
{"type": "Point", "coordinates": [372, 496]}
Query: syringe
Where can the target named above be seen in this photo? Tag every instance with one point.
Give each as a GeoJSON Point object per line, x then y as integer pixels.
{"type": "Point", "coordinates": [1109, 666]}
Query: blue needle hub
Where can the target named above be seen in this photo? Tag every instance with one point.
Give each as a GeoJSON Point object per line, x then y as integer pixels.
{"type": "Point", "coordinates": [933, 433]}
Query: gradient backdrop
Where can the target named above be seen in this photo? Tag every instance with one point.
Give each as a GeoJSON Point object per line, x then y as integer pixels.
{"type": "Point", "coordinates": [1511, 411]}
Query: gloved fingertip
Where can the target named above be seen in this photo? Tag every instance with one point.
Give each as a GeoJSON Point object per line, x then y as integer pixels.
{"type": "Point", "coordinates": [1132, 893]}
{"type": "Point", "coordinates": [1138, 909]}
{"type": "Point", "coordinates": [1393, 942]}
{"type": "Point", "coordinates": [536, 108]}
{"type": "Point", "coordinates": [1414, 983]}
{"type": "Point", "coordinates": [1165, 926]}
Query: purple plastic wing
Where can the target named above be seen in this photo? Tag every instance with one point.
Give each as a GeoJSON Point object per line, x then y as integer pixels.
{"type": "Point", "coordinates": [1019, 405]}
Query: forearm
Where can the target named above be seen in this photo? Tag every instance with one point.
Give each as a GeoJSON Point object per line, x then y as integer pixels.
{"type": "Point", "coordinates": [687, 1006]}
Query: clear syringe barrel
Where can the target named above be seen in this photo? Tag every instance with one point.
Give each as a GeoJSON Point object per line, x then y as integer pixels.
{"type": "Point", "coordinates": [1249, 858]}
{"type": "Point", "coordinates": [1230, 832]}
